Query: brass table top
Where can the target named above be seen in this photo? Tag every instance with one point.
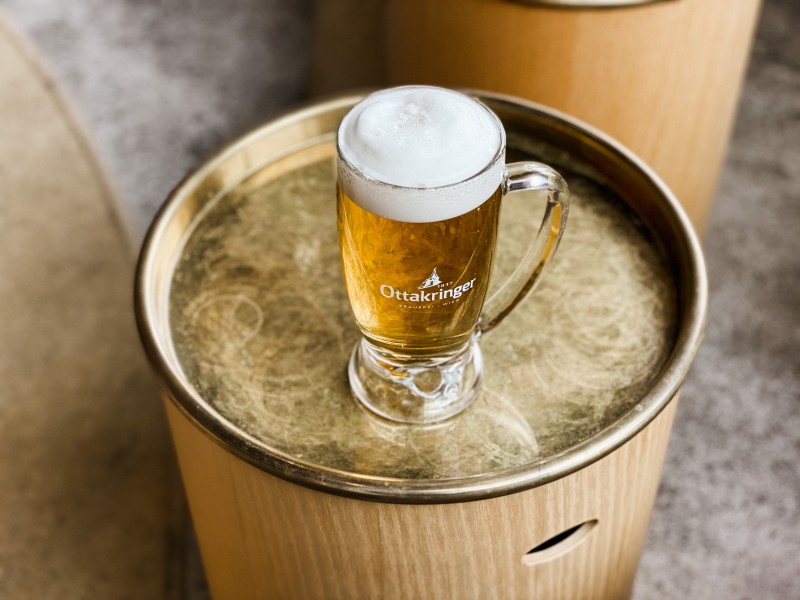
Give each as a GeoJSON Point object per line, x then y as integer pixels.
{"type": "Point", "coordinates": [261, 330]}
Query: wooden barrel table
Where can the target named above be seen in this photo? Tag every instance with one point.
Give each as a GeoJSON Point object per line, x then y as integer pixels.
{"type": "Point", "coordinates": [541, 489]}
{"type": "Point", "coordinates": [662, 77]}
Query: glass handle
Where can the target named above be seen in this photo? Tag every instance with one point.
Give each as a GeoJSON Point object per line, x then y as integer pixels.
{"type": "Point", "coordinates": [530, 176]}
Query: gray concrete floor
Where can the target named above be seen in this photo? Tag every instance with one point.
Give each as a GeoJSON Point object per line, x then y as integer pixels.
{"type": "Point", "coordinates": [161, 85]}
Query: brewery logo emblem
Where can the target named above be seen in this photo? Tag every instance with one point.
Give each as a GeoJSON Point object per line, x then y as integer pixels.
{"type": "Point", "coordinates": [431, 281]}
{"type": "Point", "coordinates": [443, 291]}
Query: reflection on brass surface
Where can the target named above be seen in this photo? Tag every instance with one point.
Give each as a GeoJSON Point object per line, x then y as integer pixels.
{"type": "Point", "coordinates": [262, 328]}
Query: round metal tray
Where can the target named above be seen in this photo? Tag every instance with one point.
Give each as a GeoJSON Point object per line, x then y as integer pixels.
{"type": "Point", "coordinates": [242, 310]}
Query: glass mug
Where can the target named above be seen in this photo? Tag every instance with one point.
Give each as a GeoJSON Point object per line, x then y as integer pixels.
{"type": "Point", "coordinates": [421, 175]}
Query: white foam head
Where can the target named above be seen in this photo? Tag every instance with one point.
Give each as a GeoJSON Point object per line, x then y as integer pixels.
{"type": "Point", "coordinates": [440, 152]}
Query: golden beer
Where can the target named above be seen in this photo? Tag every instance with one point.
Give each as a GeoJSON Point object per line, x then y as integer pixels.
{"type": "Point", "coordinates": [420, 177]}
{"type": "Point", "coordinates": [417, 288]}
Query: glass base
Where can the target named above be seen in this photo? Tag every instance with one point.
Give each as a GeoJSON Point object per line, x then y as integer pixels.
{"type": "Point", "coordinates": [415, 390]}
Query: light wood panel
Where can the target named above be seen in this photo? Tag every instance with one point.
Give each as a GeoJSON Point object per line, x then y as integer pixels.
{"type": "Point", "coordinates": [263, 537]}
{"type": "Point", "coordinates": [663, 79]}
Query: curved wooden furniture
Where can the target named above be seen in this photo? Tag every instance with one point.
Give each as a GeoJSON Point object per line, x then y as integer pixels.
{"type": "Point", "coordinates": [663, 78]}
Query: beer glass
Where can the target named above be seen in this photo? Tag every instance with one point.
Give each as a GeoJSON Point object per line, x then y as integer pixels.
{"type": "Point", "coordinates": [417, 255]}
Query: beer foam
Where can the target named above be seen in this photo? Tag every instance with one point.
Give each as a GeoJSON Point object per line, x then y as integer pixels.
{"type": "Point", "coordinates": [432, 146]}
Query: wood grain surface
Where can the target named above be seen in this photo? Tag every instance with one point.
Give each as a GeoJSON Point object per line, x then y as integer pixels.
{"type": "Point", "coordinates": [263, 537]}
{"type": "Point", "coordinates": [663, 79]}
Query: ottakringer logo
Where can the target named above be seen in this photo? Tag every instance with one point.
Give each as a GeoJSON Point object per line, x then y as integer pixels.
{"type": "Point", "coordinates": [442, 291]}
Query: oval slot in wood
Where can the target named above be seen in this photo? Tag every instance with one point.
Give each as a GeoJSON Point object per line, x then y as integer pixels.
{"type": "Point", "coordinates": [559, 544]}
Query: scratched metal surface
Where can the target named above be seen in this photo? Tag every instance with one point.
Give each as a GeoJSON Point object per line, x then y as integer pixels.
{"type": "Point", "coordinates": [262, 329]}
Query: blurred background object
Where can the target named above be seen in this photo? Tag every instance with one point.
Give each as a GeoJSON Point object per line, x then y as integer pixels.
{"type": "Point", "coordinates": [160, 86]}
{"type": "Point", "coordinates": [349, 49]}
{"type": "Point", "coordinates": [88, 495]}
{"type": "Point", "coordinates": [663, 78]}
